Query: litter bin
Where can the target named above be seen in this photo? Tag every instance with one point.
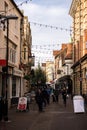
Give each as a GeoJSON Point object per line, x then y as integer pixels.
{"type": "Point", "coordinates": [78, 102]}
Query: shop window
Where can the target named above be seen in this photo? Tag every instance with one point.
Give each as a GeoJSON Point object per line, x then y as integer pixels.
{"type": "Point", "coordinates": [14, 86]}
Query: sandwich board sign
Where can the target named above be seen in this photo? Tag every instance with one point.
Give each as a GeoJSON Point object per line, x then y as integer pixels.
{"type": "Point", "coordinates": [78, 102]}
{"type": "Point", "coordinates": [22, 104]}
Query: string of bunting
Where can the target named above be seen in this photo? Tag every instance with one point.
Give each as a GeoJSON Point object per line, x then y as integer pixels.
{"type": "Point", "coordinates": [24, 2]}
{"type": "Point", "coordinates": [45, 45]}
{"type": "Point", "coordinates": [52, 27]}
{"type": "Point", "coordinates": [40, 48]}
{"type": "Point", "coordinates": [42, 52]}
{"type": "Point", "coordinates": [39, 24]}
{"type": "Point", "coordinates": [43, 60]}
{"type": "Point", "coordinates": [44, 57]}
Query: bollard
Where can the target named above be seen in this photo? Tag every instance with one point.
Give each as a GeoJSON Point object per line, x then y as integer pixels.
{"type": "Point", "coordinates": [5, 110]}
{"type": "Point", "coordinates": [0, 108]}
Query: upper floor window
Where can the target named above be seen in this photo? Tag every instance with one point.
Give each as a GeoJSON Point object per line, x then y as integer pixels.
{"type": "Point", "coordinates": [12, 54]}
{"type": "Point", "coordinates": [5, 7]}
{"type": "Point", "coordinates": [24, 53]}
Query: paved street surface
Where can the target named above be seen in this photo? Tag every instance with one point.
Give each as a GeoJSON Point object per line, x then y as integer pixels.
{"type": "Point", "coordinates": [55, 117]}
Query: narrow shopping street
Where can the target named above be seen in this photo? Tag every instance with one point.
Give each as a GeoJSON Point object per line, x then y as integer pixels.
{"type": "Point", "coordinates": [55, 117]}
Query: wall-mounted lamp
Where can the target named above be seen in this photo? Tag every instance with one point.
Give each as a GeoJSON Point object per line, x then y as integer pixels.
{"type": "Point", "coordinates": [32, 59]}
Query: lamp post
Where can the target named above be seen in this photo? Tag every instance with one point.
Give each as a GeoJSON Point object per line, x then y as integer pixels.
{"type": "Point", "coordinates": [7, 18]}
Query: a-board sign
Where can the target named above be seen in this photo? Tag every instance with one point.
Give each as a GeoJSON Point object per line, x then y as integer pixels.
{"type": "Point", "coordinates": [22, 104]}
{"type": "Point", "coordinates": [78, 102]}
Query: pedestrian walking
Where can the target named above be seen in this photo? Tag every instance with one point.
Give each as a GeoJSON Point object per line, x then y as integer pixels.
{"type": "Point", "coordinates": [56, 93]}
{"type": "Point", "coordinates": [45, 95]}
{"type": "Point", "coordinates": [48, 94]}
{"type": "Point", "coordinates": [39, 100]}
{"type": "Point", "coordinates": [64, 96]}
{"type": "Point", "coordinates": [53, 97]}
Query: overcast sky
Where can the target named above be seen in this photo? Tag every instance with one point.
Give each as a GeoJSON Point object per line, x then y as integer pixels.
{"type": "Point", "coordinates": [47, 14]}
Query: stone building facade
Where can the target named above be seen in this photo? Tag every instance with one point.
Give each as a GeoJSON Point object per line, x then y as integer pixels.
{"type": "Point", "coordinates": [78, 12]}
{"type": "Point", "coordinates": [63, 63]}
{"type": "Point", "coordinates": [11, 77]}
{"type": "Point", "coordinates": [26, 55]}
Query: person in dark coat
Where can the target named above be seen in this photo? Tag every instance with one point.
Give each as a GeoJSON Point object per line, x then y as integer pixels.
{"type": "Point", "coordinates": [39, 100]}
{"type": "Point", "coordinates": [45, 96]}
{"type": "Point", "coordinates": [56, 93]}
{"type": "Point", "coordinates": [53, 96]}
{"type": "Point", "coordinates": [64, 95]}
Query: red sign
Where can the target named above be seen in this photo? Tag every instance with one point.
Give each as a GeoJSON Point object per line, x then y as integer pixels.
{"type": "Point", "coordinates": [22, 107]}
{"type": "Point", "coordinates": [2, 62]}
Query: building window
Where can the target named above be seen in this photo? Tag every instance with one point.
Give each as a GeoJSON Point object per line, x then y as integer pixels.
{"type": "Point", "coordinates": [12, 54]}
{"type": "Point", "coordinates": [14, 86]}
{"type": "Point", "coordinates": [24, 53]}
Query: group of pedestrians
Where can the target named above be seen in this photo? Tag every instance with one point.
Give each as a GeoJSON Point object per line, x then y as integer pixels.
{"type": "Point", "coordinates": [43, 97]}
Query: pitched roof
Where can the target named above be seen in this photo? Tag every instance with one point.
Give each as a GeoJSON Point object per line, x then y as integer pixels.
{"type": "Point", "coordinates": [12, 1]}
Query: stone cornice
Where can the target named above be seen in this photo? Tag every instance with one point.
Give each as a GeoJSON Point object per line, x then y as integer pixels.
{"type": "Point", "coordinates": [73, 7]}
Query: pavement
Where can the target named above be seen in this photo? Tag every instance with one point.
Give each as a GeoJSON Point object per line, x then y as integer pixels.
{"type": "Point", "coordinates": [55, 117]}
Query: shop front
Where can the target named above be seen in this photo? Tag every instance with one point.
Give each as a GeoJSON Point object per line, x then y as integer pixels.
{"type": "Point", "coordinates": [16, 90]}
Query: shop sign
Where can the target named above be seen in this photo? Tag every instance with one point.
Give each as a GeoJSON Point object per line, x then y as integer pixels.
{"type": "Point", "coordinates": [2, 62]}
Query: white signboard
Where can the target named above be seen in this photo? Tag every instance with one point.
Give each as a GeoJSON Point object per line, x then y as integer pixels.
{"type": "Point", "coordinates": [22, 104]}
{"type": "Point", "coordinates": [78, 103]}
